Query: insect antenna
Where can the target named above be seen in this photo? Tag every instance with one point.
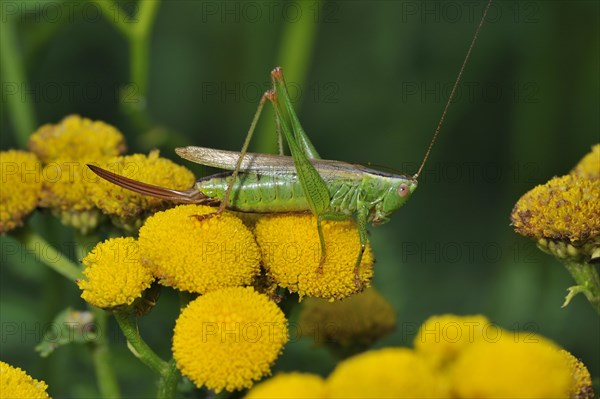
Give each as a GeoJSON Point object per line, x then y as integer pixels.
{"type": "Point", "coordinates": [456, 82]}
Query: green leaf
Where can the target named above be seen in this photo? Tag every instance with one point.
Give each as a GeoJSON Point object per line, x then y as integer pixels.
{"type": "Point", "coordinates": [68, 326]}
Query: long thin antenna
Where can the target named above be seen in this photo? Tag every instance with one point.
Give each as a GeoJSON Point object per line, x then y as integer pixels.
{"type": "Point", "coordinates": [462, 68]}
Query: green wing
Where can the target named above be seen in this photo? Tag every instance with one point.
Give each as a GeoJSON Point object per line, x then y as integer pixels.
{"type": "Point", "coordinates": [268, 164]}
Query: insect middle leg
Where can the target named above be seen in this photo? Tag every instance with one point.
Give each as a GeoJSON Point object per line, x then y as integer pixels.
{"type": "Point", "coordinates": [361, 221]}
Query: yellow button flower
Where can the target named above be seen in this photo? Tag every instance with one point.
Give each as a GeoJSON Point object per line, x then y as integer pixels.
{"type": "Point", "coordinates": [289, 386]}
{"type": "Point", "coordinates": [512, 365]}
{"type": "Point", "coordinates": [21, 186]}
{"type": "Point", "coordinates": [385, 373]}
{"type": "Point", "coordinates": [125, 204]}
{"type": "Point", "coordinates": [115, 275]}
{"type": "Point", "coordinates": [15, 383]}
{"type": "Point", "coordinates": [229, 338]}
{"type": "Point", "coordinates": [291, 254]}
{"type": "Point", "coordinates": [65, 149]}
{"type": "Point", "coordinates": [441, 339]}
{"type": "Point", "coordinates": [581, 380]}
{"type": "Point", "coordinates": [199, 255]}
{"type": "Point", "coordinates": [351, 324]}
{"type": "Point", "coordinates": [589, 166]}
{"type": "Point", "coordinates": [565, 208]}
{"type": "Point", "coordinates": [64, 187]}
{"type": "Point", "coordinates": [563, 216]}
{"type": "Point", "coordinates": [76, 138]}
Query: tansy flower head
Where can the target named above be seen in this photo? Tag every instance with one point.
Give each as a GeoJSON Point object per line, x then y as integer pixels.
{"type": "Point", "coordinates": [21, 186]}
{"type": "Point", "coordinates": [589, 166]}
{"type": "Point", "coordinates": [581, 380]}
{"type": "Point", "coordinates": [65, 194]}
{"type": "Point", "coordinates": [385, 373]}
{"type": "Point", "coordinates": [127, 205]}
{"type": "Point", "coordinates": [76, 138]}
{"type": "Point", "coordinates": [441, 339]}
{"type": "Point", "coordinates": [291, 254]}
{"type": "Point", "coordinates": [352, 323]}
{"type": "Point", "coordinates": [289, 386]}
{"type": "Point", "coordinates": [563, 216]}
{"type": "Point", "coordinates": [563, 213]}
{"type": "Point", "coordinates": [65, 148]}
{"type": "Point", "coordinates": [511, 365]}
{"type": "Point", "coordinates": [115, 275]}
{"type": "Point", "coordinates": [228, 338]}
{"type": "Point", "coordinates": [15, 383]}
{"type": "Point", "coordinates": [199, 255]}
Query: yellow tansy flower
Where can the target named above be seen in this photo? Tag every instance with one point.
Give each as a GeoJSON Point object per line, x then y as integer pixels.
{"type": "Point", "coordinates": [589, 166]}
{"type": "Point", "coordinates": [289, 386]}
{"type": "Point", "coordinates": [563, 215]}
{"type": "Point", "coordinates": [21, 187]}
{"type": "Point", "coordinates": [385, 373]}
{"type": "Point", "coordinates": [229, 338]}
{"type": "Point", "coordinates": [581, 380]}
{"type": "Point", "coordinates": [513, 365]}
{"type": "Point", "coordinates": [115, 275]}
{"type": "Point", "coordinates": [65, 149]}
{"type": "Point", "coordinates": [76, 138]}
{"type": "Point", "coordinates": [199, 255]}
{"type": "Point", "coordinates": [15, 383]}
{"type": "Point", "coordinates": [64, 189]}
{"type": "Point", "coordinates": [352, 323]}
{"type": "Point", "coordinates": [291, 254]}
{"type": "Point", "coordinates": [440, 339]}
{"type": "Point", "coordinates": [126, 204]}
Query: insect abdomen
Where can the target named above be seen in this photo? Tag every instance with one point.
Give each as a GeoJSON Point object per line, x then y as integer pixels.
{"type": "Point", "coordinates": [256, 193]}
{"type": "Point", "coordinates": [262, 193]}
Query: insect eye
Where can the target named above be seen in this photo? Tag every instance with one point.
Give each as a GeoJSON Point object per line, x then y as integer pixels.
{"type": "Point", "coordinates": [403, 190]}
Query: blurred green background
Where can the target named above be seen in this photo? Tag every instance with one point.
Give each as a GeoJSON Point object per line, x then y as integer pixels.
{"type": "Point", "coordinates": [370, 80]}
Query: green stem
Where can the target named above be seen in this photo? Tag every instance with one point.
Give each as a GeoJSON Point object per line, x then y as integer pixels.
{"type": "Point", "coordinates": [13, 72]}
{"type": "Point", "coordinates": [138, 60]}
{"type": "Point", "coordinates": [49, 255]}
{"type": "Point", "coordinates": [106, 379]}
{"type": "Point", "coordinates": [588, 282]}
{"type": "Point", "coordinates": [167, 385]}
{"type": "Point", "coordinates": [136, 30]}
{"type": "Point", "coordinates": [296, 46]}
{"type": "Point", "coordinates": [139, 47]}
{"type": "Point", "coordinates": [139, 347]}
{"type": "Point", "coordinates": [114, 14]}
{"type": "Point", "coordinates": [105, 376]}
{"type": "Point", "coordinates": [146, 16]}
{"type": "Point", "coordinates": [168, 372]}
